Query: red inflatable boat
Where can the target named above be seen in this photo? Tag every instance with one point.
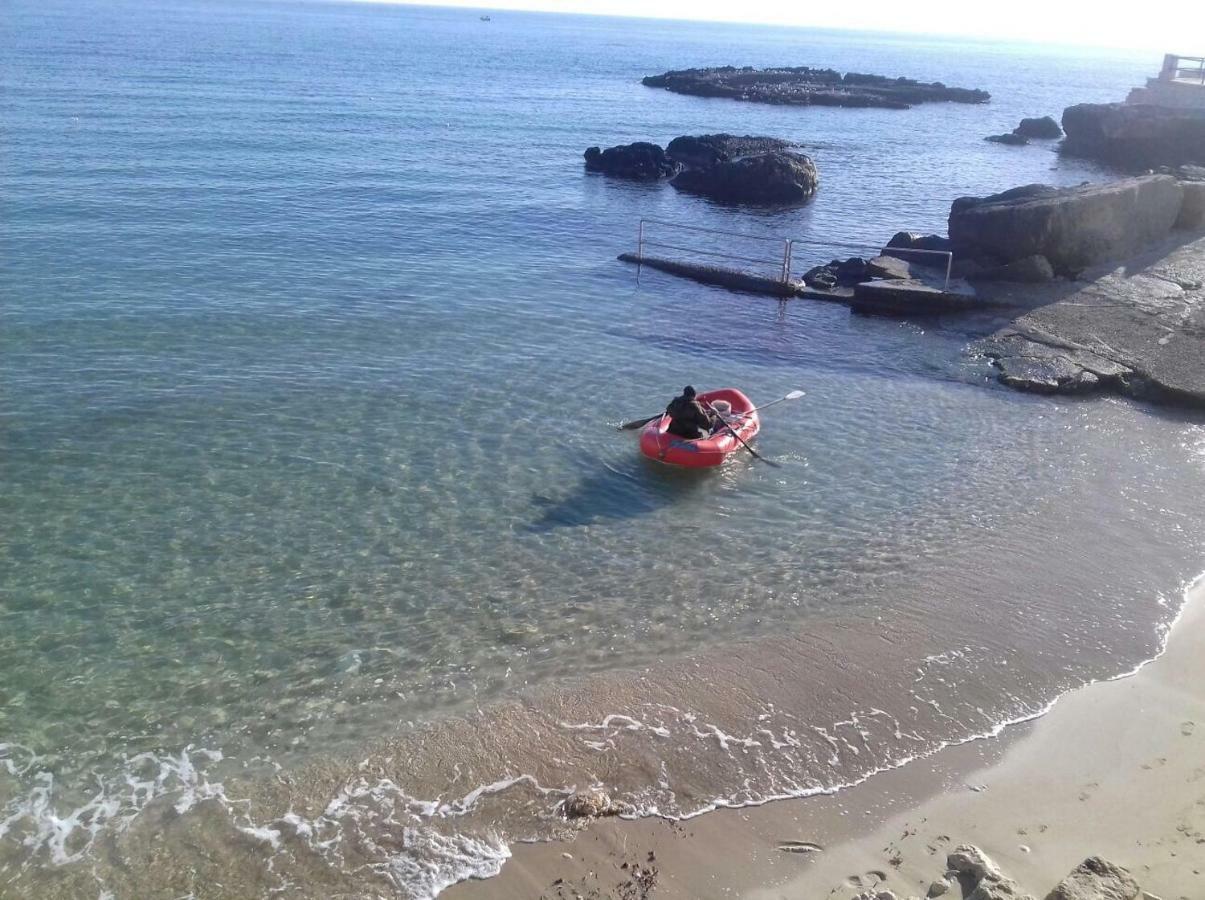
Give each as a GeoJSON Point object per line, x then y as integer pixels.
{"type": "Point", "coordinates": [657, 443]}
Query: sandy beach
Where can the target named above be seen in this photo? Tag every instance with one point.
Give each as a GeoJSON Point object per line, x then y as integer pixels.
{"type": "Point", "coordinates": [1115, 769]}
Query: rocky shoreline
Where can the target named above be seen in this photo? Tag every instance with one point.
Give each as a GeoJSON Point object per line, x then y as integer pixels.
{"type": "Point", "coordinates": [1108, 276]}
{"type": "Point", "coordinates": [805, 86]}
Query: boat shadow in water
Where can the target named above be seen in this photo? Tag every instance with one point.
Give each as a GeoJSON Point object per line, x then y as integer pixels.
{"type": "Point", "coordinates": [616, 493]}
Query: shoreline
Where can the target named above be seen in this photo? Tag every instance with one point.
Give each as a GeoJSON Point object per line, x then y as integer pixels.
{"type": "Point", "coordinates": [1115, 768]}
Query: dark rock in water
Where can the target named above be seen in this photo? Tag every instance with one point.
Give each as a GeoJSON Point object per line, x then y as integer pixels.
{"type": "Point", "coordinates": [852, 271]}
{"type": "Point", "coordinates": [1012, 138]}
{"type": "Point", "coordinates": [1097, 879]}
{"type": "Point", "coordinates": [765, 179]}
{"type": "Point", "coordinates": [838, 273]}
{"type": "Point", "coordinates": [641, 161]}
{"type": "Point", "coordinates": [804, 86]}
{"type": "Point", "coordinates": [1072, 227]}
{"type": "Point", "coordinates": [707, 150]}
{"type": "Point", "coordinates": [1135, 135]}
{"type": "Point", "coordinates": [911, 240]}
{"type": "Point", "coordinates": [1043, 129]}
{"type": "Point", "coordinates": [1027, 270]}
{"type": "Point", "coordinates": [822, 277]}
{"type": "Point", "coordinates": [904, 243]}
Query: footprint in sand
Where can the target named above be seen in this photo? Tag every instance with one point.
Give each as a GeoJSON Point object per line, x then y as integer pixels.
{"type": "Point", "coordinates": [869, 880]}
{"type": "Point", "coordinates": [1086, 793]}
{"type": "Point", "coordinates": [941, 840]}
{"type": "Point", "coordinates": [799, 847]}
{"type": "Point", "coordinates": [1187, 728]}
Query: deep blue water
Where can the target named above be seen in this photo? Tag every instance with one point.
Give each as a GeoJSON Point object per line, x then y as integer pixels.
{"type": "Point", "coordinates": [313, 338]}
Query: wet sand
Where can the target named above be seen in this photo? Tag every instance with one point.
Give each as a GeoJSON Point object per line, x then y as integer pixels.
{"type": "Point", "coordinates": [1115, 769]}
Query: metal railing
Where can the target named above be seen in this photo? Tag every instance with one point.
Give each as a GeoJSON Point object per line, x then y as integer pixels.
{"type": "Point", "coordinates": [1175, 70]}
{"type": "Point", "coordinates": [782, 265]}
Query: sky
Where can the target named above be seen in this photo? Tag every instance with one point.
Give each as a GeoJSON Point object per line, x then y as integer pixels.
{"type": "Point", "coordinates": [1171, 26]}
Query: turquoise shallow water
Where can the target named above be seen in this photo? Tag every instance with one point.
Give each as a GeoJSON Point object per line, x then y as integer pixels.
{"type": "Point", "coordinates": [312, 342]}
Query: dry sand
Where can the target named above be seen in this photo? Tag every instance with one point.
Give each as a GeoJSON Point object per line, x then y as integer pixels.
{"type": "Point", "coordinates": [1116, 769]}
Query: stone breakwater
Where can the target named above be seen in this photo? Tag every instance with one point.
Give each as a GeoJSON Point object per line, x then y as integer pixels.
{"type": "Point", "coordinates": [804, 86]}
{"type": "Point", "coordinates": [1135, 328]}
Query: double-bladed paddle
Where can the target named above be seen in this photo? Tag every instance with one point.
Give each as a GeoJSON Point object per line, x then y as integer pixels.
{"type": "Point", "coordinates": [732, 431]}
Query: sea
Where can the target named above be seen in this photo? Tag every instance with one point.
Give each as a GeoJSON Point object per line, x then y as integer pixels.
{"type": "Point", "coordinates": [324, 569]}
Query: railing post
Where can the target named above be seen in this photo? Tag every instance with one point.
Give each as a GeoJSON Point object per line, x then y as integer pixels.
{"type": "Point", "coordinates": [639, 250]}
{"type": "Point", "coordinates": [786, 260]}
{"type": "Point", "coordinates": [949, 269]}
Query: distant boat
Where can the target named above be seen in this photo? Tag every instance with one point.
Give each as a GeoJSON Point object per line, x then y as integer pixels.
{"type": "Point", "coordinates": [485, 18]}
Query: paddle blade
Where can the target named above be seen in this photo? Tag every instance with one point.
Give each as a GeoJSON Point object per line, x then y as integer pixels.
{"type": "Point", "coordinates": [637, 423]}
{"type": "Point", "coordinates": [794, 395]}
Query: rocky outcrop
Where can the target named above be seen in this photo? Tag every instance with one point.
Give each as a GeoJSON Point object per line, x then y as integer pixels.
{"type": "Point", "coordinates": [706, 150]}
{"type": "Point", "coordinates": [1135, 135]}
{"type": "Point", "coordinates": [1097, 879]}
{"type": "Point", "coordinates": [758, 171]}
{"type": "Point", "coordinates": [1012, 138]}
{"type": "Point", "coordinates": [1073, 228]}
{"type": "Point", "coordinates": [1136, 329]}
{"type": "Point", "coordinates": [804, 86]}
{"type": "Point", "coordinates": [778, 178]}
{"type": "Point", "coordinates": [1041, 129]}
{"type": "Point", "coordinates": [641, 161]}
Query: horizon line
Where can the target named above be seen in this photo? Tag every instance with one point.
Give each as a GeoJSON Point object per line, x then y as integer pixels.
{"type": "Point", "coordinates": [531, 7]}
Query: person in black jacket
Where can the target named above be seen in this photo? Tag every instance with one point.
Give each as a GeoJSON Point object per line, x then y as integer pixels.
{"type": "Point", "coordinates": [688, 418]}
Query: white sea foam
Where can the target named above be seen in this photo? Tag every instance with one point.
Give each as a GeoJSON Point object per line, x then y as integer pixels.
{"type": "Point", "coordinates": [437, 852]}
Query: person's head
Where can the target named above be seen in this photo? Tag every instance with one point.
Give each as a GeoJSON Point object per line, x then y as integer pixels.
{"type": "Point", "coordinates": [688, 392]}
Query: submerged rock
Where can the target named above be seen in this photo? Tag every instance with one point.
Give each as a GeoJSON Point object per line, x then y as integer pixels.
{"type": "Point", "coordinates": [804, 86]}
{"type": "Point", "coordinates": [640, 161]}
{"type": "Point", "coordinates": [1012, 138]}
{"type": "Point", "coordinates": [1097, 879]}
{"type": "Point", "coordinates": [1072, 227]}
{"type": "Point", "coordinates": [777, 178]}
